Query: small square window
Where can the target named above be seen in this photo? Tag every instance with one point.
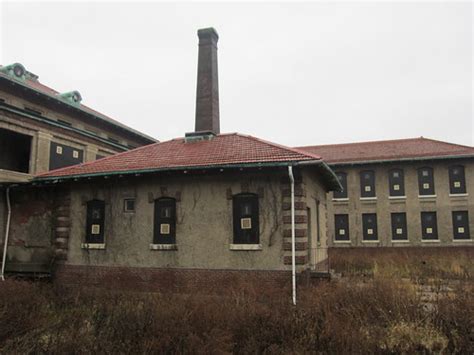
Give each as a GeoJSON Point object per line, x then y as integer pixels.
{"type": "Point", "coordinates": [425, 173]}
{"type": "Point", "coordinates": [370, 231]}
{"type": "Point", "coordinates": [399, 231]}
{"type": "Point", "coordinates": [457, 184]}
{"type": "Point", "coordinates": [246, 223]}
{"type": "Point", "coordinates": [461, 230]}
{"type": "Point", "coordinates": [95, 229]}
{"type": "Point", "coordinates": [165, 228]}
{"type": "Point", "coordinates": [59, 150]}
{"type": "Point", "coordinates": [396, 187]}
{"type": "Point", "coordinates": [342, 231]}
{"type": "Point", "coordinates": [75, 154]}
{"type": "Point", "coordinates": [367, 188]}
{"type": "Point", "coordinates": [129, 205]}
{"type": "Point", "coordinates": [396, 174]}
{"type": "Point", "coordinates": [426, 186]}
{"type": "Point", "coordinates": [429, 230]}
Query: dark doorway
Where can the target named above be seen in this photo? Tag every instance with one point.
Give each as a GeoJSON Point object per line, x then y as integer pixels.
{"type": "Point", "coordinates": [15, 151]}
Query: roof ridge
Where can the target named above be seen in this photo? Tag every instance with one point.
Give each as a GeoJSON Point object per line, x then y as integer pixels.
{"type": "Point", "coordinates": [360, 142]}
{"type": "Point", "coordinates": [280, 146]}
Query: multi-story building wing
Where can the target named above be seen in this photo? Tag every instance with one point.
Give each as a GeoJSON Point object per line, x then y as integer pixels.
{"type": "Point", "coordinates": [42, 129]}
{"type": "Point", "coordinates": [400, 193]}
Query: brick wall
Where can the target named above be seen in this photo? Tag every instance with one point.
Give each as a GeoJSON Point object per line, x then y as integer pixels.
{"type": "Point", "coordinates": [170, 280]}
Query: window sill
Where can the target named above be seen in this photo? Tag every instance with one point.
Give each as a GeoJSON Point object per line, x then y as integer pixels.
{"type": "Point", "coordinates": [430, 241]}
{"type": "Point", "coordinates": [97, 246]}
{"type": "Point", "coordinates": [344, 199]}
{"type": "Point", "coordinates": [246, 247]}
{"type": "Point", "coordinates": [163, 247]}
{"type": "Point", "coordinates": [400, 241]}
{"type": "Point", "coordinates": [459, 195]}
{"type": "Point", "coordinates": [368, 198]}
{"type": "Point", "coordinates": [427, 196]}
{"type": "Point", "coordinates": [371, 241]}
{"type": "Point", "coordinates": [463, 240]}
{"type": "Point", "coordinates": [342, 241]}
{"type": "Point", "coordinates": [397, 197]}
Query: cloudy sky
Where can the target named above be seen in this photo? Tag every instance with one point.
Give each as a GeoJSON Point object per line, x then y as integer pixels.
{"type": "Point", "coordinates": [294, 73]}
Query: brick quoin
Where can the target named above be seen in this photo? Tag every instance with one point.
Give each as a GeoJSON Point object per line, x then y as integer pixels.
{"type": "Point", "coordinates": [299, 205]}
{"type": "Point", "coordinates": [299, 233]}
{"type": "Point", "coordinates": [298, 246]}
{"type": "Point", "coordinates": [300, 260]}
{"type": "Point", "coordinates": [298, 219]}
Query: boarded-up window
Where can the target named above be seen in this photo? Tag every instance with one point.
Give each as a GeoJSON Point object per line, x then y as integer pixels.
{"type": "Point", "coordinates": [461, 225]}
{"type": "Point", "coordinates": [246, 219]}
{"type": "Point", "coordinates": [367, 183]}
{"type": "Point", "coordinates": [95, 222]}
{"type": "Point", "coordinates": [341, 224]}
{"type": "Point", "coordinates": [457, 180]}
{"type": "Point", "coordinates": [429, 226]}
{"type": "Point", "coordinates": [426, 181]}
{"type": "Point", "coordinates": [61, 155]}
{"type": "Point", "coordinates": [342, 177]}
{"type": "Point", "coordinates": [369, 226]}
{"type": "Point", "coordinates": [396, 182]}
{"type": "Point", "coordinates": [399, 226]}
{"type": "Point", "coordinates": [165, 221]}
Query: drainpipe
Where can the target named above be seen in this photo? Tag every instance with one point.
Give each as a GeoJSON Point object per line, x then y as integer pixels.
{"type": "Point", "coordinates": [7, 232]}
{"type": "Point", "coordinates": [293, 251]}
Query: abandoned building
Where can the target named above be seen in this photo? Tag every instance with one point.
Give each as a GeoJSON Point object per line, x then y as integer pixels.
{"type": "Point", "coordinates": [208, 204]}
{"type": "Point", "coordinates": [42, 129]}
{"type": "Point", "coordinates": [208, 208]}
{"type": "Point", "coordinates": [406, 192]}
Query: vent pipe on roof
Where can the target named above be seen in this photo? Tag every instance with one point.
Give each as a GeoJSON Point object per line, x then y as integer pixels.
{"type": "Point", "coordinates": [207, 93]}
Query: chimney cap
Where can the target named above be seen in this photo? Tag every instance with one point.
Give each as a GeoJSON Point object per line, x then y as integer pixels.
{"type": "Point", "coordinates": [208, 33]}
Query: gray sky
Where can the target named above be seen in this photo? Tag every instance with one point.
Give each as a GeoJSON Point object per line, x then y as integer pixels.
{"type": "Point", "coordinates": [293, 73]}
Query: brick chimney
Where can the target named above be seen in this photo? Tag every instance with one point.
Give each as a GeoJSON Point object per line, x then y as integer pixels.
{"type": "Point", "coordinates": [207, 93]}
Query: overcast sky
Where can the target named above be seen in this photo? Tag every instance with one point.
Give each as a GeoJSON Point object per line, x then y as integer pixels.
{"type": "Point", "coordinates": [294, 73]}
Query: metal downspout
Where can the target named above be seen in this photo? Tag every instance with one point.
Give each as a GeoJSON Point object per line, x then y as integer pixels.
{"type": "Point", "coordinates": [293, 251]}
{"type": "Point", "coordinates": [7, 232]}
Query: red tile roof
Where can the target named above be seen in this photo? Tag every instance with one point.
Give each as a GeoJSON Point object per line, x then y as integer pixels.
{"type": "Point", "coordinates": [222, 150]}
{"type": "Point", "coordinates": [387, 150]}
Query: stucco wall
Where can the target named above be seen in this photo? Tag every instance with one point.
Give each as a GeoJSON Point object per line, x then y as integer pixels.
{"type": "Point", "coordinates": [413, 205]}
{"type": "Point", "coordinates": [204, 222]}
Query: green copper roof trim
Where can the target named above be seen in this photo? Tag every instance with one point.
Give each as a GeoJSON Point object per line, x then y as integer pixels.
{"type": "Point", "coordinates": [78, 107]}
{"type": "Point", "coordinates": [329, 173]}
{"type": "Point", "coordinates": [405, 160]}
{"type": "Point", "coordinates": [55, 123]}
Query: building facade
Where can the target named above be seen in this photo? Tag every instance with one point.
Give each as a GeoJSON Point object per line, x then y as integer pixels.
{"type": "Point", "coordinates": [411, 192]}
{"type": "Point", "coordinates": [42, 129]}
{"type": "Point", "coordinates": [205, 204]}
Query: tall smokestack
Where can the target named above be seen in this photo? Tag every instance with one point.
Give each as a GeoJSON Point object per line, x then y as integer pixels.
{"type": "Point", "coordinates": [207, 94]}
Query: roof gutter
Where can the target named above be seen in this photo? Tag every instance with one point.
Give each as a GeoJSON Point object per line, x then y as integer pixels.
{"type": "Point", "coordinates": [183, 168]}
{"type": "Point", "coordinates": [415, 159]}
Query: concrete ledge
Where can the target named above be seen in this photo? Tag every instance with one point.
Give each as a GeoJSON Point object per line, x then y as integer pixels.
{"type": "Point", "coordinates": [400, 241]}
{"type": "Point", "coordinates": [245, 247]}
{"type": "Point", "coordinates": [98, 246]}
{"type": "Point", "coordinates": [345, 199]}
{"type": "Point", "coordinates": [463, 240]}
{"type": "Point", "coordinates": [342, 241]}
{"type": "Point", "coordinates": [430, 240]}
{"type": "Point", "coordinates": [371, 241]}
{"type": "Point", "coordinates": [163, 247]}
{"type": "Point", "coordinates": [368, 198]}
{"type": "Point", "coordinates": [459, 195]}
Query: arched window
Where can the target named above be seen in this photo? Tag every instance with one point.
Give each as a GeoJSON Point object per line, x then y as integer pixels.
{"type": "Point", "coordinates": [342, 177]}
{"type": "Point", "coordinates": [245, 219]}
{"type": "Point", "coordinates": [95, 222]}
{"type": "Point", "coordinates": [367, 183]}
{"type": "Point", "coordinates": [426, 181]}
{"type": "Point", "coordinates": [165, 221]}
{"type": "Point", "coordinates": [457, 180]}
{"type": "Point", "coordinates": [396, 182]}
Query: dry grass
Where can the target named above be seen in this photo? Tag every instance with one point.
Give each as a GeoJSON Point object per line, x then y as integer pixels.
{"type": "Point", "coordinates": [414, 263]}
{"type": "Point", "coordinates": [380, 316]}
